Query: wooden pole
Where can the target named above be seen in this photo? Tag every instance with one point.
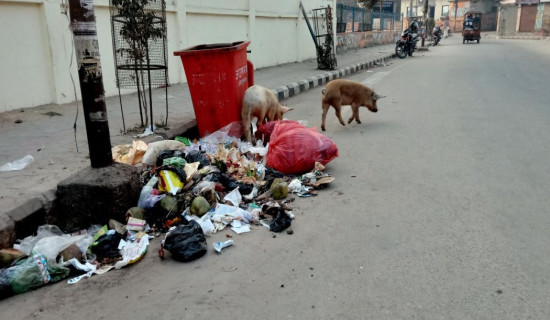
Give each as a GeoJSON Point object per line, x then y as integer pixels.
{"type": "Point", "coordinates": [91, 82]}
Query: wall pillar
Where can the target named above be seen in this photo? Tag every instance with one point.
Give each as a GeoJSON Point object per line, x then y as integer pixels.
{"type": "Point", "coordinates": [518, 18]}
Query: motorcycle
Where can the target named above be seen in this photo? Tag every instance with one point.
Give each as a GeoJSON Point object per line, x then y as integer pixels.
{"type": "Point", "coordinates": [406, 45]}
{"type": "Point", "coordinates": [436, 35]}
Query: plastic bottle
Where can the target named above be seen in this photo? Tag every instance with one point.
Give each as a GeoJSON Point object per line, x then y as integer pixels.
{"type": "Point", "coordinates": [18, 164]}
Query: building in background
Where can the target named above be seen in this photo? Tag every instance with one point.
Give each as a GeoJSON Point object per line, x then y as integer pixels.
{"type": "Point", "coordinates": [360, 27]}
{"type": "Point", "coordinates": [524, 17]}
{"type": "Point", "coordinates": [37, 44]}
{"type": "Point", "coordinates": [439, 10]}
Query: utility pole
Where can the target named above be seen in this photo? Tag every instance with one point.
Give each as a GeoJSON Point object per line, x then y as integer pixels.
{"type": "Point", "coordinates": [91, 82]}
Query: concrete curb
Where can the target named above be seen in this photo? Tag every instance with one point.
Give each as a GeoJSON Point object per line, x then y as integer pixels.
{"type": "Point", "coordinates": [294, 88]}
{"type": "Point", "coordinates": [26, 218]}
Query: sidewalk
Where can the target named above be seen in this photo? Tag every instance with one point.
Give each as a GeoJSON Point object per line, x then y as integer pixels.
{"type": "Point", "coordinates": [46, 132]}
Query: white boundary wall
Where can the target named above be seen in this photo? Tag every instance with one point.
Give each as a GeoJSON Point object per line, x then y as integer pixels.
{"type": "Point", "coordinates": [36, 45]}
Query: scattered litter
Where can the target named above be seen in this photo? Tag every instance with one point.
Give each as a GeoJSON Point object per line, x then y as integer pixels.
{"type": "Point", "coordinates": [218, 246]}
{"type": "Point", "coordinates": [147, 132]}
{"type": "Point", "coordinates": [129, 153]}
{"type": "Point", "coordinates": [132, 252]}
{"type": "Point", "coordinates": [52, 114]}
{"type": "Point", "coordinates": [18, 164]}
{"type": "Point", "coordinates": [186, 242]}
{"type": "Point", "coordinates": [191, 189]}
{"type": "Point", "coordinates": [239, 227]}
{"type": "Point", "coordinates": [135, 224]}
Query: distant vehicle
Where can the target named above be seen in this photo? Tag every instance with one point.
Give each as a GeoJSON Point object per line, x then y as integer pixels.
{"type": "Point", "coordinates": [471, 28]}
{"type": "Point", "coordinates": [436, 35]}
{"type": "Point", "coordinates": [407, 44]}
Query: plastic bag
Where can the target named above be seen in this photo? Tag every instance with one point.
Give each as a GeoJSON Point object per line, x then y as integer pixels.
{"type": "Point", "coordinates": [129, 153]}
{"type": "Point", "coordinates": [294, 148]}
{"type": "Point", "coordinates": [186, 242]}
{"type": "Point", "coordinates": [146, 192]}
{"type": "Point", "coordinates": [43, 231]}
{"type": "Point", "coordinates": [167, 154]}
{"type": "Point", "coordinates": [50, 241]}
{"type": "Point", "coordinates": [28, 274]}
{"type": "Point", "coordinates": [197, 156]}
{"type": "Point", "coordinates": [280, 221]}
{"type": "Point", "coordinates": [171, 181]}
{"type": "Point", "coordinates": [50, 247]}
{"type": "Point", "coordinates": [18, 164]}
{"type": "Point", "coordinates": [107, 245]}
{"type": "Point", "coordinates": [133, 252]}
{"type": "Point", "coordinates": [230, 133]}
{"type": "Point", "coordinates": [153, 149]}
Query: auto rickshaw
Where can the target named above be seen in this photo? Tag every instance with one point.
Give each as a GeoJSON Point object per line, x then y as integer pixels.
{"type": "Point", "coordinates": [471, 28]}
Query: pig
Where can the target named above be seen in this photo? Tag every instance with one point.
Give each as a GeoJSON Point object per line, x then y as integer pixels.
{"type": "Point", "coordinates": [341, 92]}
{"type": "Point", "coordinates": [261, 103]}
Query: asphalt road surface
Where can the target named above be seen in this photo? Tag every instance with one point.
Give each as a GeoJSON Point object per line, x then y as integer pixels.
{"type": "Point", "coordinates": [440, 210]}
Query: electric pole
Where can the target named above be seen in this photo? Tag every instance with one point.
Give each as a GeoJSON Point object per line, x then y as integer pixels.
{"type": "Point", "coordinates": [91, 82]}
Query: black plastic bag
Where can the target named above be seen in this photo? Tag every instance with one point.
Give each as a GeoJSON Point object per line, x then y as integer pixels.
{"type": "Point", "coordinates": [230, 184]}
{"type": "Point", "coordinates": [186, 242]}
{"type": "Point", "coordinates": [197, 156]}
{"type": "Point", "coordinates": [165, 154]}
{"type": "Point", "coordinates": [280, 221]}
{"type": "Point", "coordinates": [106, 246]}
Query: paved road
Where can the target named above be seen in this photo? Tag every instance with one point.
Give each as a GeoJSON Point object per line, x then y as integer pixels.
{"type": "Point", "coordinates": [439, 211]}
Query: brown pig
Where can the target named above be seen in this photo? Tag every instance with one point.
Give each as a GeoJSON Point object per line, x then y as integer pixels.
{"type": "Point", "coordinates": [342, 92]}
{"type": "Point", "coordinates": [261, 103]}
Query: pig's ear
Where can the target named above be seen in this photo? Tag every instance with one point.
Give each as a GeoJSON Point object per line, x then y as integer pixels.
{"type": "Point", "coordinates": [286, 109]}
{"type": "Point", "coordinates": [376, 96]}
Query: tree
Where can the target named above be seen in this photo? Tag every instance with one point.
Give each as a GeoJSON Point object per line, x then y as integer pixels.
{"type": "Point", "coordinates": [139, 27]}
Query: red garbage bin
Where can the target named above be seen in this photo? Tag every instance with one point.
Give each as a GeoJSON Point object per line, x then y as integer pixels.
{"type": "Point", "coordinates": [217, 75]}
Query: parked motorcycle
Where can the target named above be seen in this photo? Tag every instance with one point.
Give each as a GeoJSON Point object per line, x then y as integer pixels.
{"type": "Point", "coordinates": [436, 35]}
{"type": "Point", "coordinates": [407, 44]}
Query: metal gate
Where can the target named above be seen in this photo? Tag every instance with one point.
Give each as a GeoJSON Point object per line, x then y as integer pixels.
{"type": "Point", "coordinates": [528, 17]}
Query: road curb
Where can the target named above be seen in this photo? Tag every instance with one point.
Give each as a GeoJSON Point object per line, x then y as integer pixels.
{"type": "Point", "coordinates": [303, 85]}
{"type": "Point", "coordinates": [25, 219]}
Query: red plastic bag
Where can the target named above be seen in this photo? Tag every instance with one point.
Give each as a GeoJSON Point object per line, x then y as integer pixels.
{"type": "Point", "coordinates": [294, 149]}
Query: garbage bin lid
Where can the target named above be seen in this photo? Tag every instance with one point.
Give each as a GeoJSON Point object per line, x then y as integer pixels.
{"type": "Point", "coordinates": [213, 48]}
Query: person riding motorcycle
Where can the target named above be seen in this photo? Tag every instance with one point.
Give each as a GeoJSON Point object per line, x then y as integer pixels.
{"type": "Point", "coordinates": [414, 26]}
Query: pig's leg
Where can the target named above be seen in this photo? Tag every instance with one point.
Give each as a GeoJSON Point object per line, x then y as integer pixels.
{"type": "Point", "coordinates": [325, 106]}
{"type": "Point", "coordinates": [357, 115]}
{"type": "Point", "coordinates": [354, 114]}
{"type": "Point", "coordinates": [247, 128]}
{"type": "Point", "coordinates": [338, 107]}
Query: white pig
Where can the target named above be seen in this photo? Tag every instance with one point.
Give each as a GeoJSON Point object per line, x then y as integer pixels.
{"type": "Point", "coordinates": [261, 103]}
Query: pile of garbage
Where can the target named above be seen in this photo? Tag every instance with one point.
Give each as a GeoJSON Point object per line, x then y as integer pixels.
{"type": "Point", "coordinates": [191, 190]}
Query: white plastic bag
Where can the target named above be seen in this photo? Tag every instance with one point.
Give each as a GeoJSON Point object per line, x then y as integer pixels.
{"type": "Point", "coordinates": [18, 164]}
{"type": "Point", "coordinates": [153, 149]}
{"type": "Point", "coordinates": [43, 231]}
{"type": "Point", "coordinates": [234, 197]}
{"type": "Point", "coordinates": [50, 247]}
